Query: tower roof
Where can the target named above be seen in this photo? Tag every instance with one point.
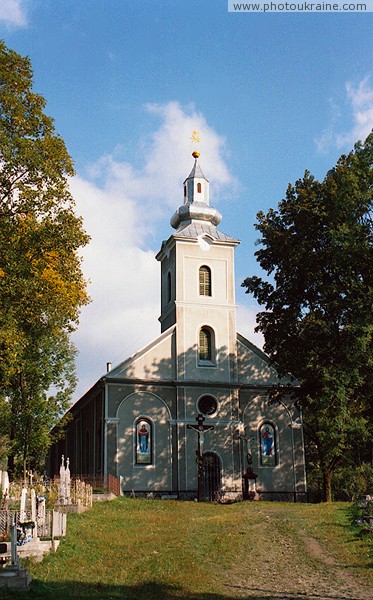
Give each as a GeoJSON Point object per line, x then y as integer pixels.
{"type": "Point", "coordinates": [196, 172]}
{"type": "Point", "coordinates": [196, 207]}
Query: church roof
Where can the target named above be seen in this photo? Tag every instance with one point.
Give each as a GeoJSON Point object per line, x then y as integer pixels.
{"type": "Point", "coordinates": [195, 229]}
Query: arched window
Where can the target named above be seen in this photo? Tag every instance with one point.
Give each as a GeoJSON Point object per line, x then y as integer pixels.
{"type": "Point", "coordinates": [206, 344]}
{"type": "Point", "coordinates": [169, 289]}
{"type": "Point", "coordinates": [268, 445]}
{"type": "Point", "coordinates": [185, 191]}
{"type": "Point", "coordinates": [205, 281]}
{"type": "Point", "coordinates": [144, 441]}
{"type": "Point", "coordinates": [199, 188]}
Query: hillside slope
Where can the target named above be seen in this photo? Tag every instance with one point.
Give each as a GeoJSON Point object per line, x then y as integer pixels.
{"type": "Point", "coordinates": [149, 549]}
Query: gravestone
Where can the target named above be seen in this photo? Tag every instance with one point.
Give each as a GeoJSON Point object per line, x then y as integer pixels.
{"type": "Point", "coordinates": [22, 513]}
{"type": "Point", "coordinates": [61, 485]}
{"type": "Point", "coordinates": [68, 482]}
{"type": "Point", "coordinates": [14, 576]}
{"type": "Point", "coordinates": [40, 511]}
{"type": "Point", "coordinates": [64, 486]}
{"type": "Point", "coordinates": [33, 514]}
{"type": "Point", "coordinates": [4, 482]}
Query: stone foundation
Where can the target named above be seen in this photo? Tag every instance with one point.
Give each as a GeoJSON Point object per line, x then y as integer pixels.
{"type": "Point", "coordinates": [14, 578]}
{"type": "Point", "coordinates": [283, 496]}
{"type": "Point", "coordinates": [225, 497]}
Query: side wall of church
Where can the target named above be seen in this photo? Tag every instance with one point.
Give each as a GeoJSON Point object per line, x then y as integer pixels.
{"type": "Point", "coordinates": [83, 439]}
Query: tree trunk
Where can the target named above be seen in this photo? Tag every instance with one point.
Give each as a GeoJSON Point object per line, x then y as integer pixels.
{"type": "Point", "coordinates": [327, 485]}
{"type": "Point", "coordinates": [25, 454]}
{"type": "Point", "coordinates": [11, 457]}
{"type": "Point", "coordinates": [10, 466]}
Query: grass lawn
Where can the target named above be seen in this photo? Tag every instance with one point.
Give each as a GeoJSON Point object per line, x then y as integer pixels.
{"type": "Point", "coordinates": [152, 549]}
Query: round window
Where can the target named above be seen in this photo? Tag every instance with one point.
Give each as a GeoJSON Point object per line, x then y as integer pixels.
{"type": "Point", "coordinates": [207, 405]}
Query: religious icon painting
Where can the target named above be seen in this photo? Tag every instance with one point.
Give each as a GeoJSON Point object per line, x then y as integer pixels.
{"type": "Point", "coordinates": [143, 442]}
{"type": "Point", "coordinates": [268, 448]}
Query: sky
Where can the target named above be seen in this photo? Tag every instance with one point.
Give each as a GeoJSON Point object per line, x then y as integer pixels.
{"type": "Point", "coordinates": [128, 81]}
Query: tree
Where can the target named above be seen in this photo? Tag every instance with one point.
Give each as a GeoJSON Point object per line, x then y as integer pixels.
{"type": "Point", "coordinates": [41, 283]}
{"type": "Point", "coordinates": [317, 250]}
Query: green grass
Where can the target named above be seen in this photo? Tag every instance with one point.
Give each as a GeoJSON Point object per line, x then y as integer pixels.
{"type": "Point", "coordinates": [150, 549]}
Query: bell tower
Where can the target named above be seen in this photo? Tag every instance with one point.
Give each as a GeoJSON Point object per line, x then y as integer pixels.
{"type": "Point", "coordinates": [197, 287]}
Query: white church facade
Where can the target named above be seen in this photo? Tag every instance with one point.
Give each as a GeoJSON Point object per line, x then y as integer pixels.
{"type": "Point", "coordinates": [139, 422]}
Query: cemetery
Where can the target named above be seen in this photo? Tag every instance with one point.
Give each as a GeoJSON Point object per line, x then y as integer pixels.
{"type": "Point", "coordinates": [33, 519]}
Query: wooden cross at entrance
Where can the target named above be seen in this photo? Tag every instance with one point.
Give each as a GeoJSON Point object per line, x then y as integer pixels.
{"type": "Point", "coordinates": [200, 428]}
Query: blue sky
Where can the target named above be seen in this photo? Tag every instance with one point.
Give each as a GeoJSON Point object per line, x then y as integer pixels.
{"type": "Point", "coordinates": [127, 82]}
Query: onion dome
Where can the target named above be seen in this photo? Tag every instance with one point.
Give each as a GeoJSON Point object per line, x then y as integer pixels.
{"type": "Point", "coordinates": [196, 207]}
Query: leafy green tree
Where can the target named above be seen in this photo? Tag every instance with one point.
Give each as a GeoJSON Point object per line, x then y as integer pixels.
{"type": "Point", "coordinates": [41, 283]}
{"type": "Point", "coordinates": [317, 252]}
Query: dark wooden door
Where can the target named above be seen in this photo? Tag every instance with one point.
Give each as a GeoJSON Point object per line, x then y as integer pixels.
{"type": "Point", "coordinates": [212, 466]}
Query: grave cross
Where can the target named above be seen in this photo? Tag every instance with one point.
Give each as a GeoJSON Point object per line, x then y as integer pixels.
{"type": "Point", "coordinates": [200, 428]}
{"type": "Point", "coordinates": [31, 476]}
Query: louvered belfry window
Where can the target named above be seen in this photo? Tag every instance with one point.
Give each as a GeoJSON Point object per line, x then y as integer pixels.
{"type": "Point", "coordinates": [205, 344]}
{"type": "Point", "coordinates": [204, 281]}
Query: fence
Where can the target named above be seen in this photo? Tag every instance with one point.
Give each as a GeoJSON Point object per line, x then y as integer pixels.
{"type": "Point", "coordinates": [53, 523]}
{"type": "Point", "coordinates": [101, 482]}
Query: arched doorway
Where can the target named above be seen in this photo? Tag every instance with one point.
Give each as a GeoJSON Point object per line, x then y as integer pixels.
{"type": "Point", "coordinates": [212, 475]}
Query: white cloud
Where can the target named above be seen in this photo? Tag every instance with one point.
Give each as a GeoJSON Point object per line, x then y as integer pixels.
{"type": "Point", "coordinates": [246, 323]}
{"type": "Point", "coordinates": [13, 12]}
{"type": "Point", "coordinates": [124, 281]}
{"type": "Point", "coordinates": [122, 206]}
{"type": "Point", "coordinates": [325, 141]}
{"type": "Point", "coordinates": [171, 147]}
{"type": "Point", "coordinates": [166, 157]}
{"type": "Point", "coordinates": [361, 99]}
{"type": "Point", "coordinates": [360, 105]}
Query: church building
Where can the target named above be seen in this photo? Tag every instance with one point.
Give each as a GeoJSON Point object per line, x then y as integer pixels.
{"type": "Point", "coordinates": [188, 415]}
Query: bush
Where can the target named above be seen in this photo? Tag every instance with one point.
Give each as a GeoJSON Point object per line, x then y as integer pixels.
{"type": "Point", "coordinates": [349, 482]}
{"type": "Point", "coordinates": [352, 482]}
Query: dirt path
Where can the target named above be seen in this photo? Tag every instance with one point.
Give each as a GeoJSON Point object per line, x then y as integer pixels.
{"type": "Point", "coordinates": [283, 563]}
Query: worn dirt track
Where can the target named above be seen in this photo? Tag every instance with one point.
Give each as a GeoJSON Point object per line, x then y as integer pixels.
{"type": "Point", "coordinates": [289, 563]}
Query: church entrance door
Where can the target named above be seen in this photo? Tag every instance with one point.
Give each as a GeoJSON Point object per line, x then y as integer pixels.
{"type": "Point", "coordinates": [212, 475]}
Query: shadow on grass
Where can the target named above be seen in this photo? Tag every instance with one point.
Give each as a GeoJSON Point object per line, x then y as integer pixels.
{"type": "Point", "coordinates": [73, 590]}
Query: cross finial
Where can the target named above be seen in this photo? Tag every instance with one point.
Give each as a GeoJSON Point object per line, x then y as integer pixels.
{"type": "Point", "coordinates": [195, 136]}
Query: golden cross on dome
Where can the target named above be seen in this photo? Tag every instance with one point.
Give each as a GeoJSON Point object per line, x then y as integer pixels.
{"type": "Point", "coordinates": [195, 136]}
